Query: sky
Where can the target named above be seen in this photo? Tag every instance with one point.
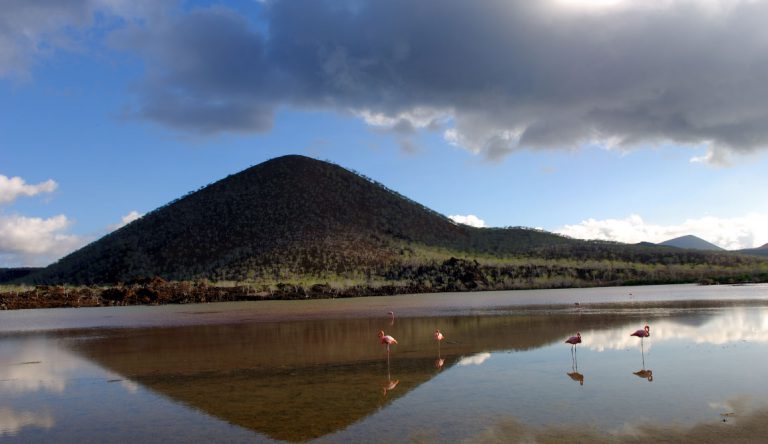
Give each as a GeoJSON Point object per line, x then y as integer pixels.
{"type": "Point", "coordinates": [598, 119]}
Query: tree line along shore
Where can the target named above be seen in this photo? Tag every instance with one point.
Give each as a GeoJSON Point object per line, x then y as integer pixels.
{"type": "Point", "coordinates": [452, 275]}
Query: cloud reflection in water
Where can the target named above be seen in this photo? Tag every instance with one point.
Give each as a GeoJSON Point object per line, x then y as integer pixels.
{"type": "Point", "coordinates": [736, 325]}
{"type": "Point", "coordinates": [477, 359]}
{"type": "Point", "coordinates": [12, 421]}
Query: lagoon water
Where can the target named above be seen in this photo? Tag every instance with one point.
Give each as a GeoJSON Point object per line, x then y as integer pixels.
{"type": "Point", "coordinates": [303, 371]}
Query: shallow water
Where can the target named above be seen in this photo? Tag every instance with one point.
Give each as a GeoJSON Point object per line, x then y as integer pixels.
{"type": "Point", "coordinates": [226, 373]}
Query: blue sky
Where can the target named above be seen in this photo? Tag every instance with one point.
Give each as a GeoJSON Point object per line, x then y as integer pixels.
{"type": "Point", "coordinates": [519, 115]}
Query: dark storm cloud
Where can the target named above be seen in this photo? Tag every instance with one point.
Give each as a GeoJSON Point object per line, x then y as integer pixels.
{"type": "Point", "coordinates": [206, 72]}
{"type": "Point", "coordinates": [496, 76]}
{"type": "Point", "coordinates": [24, 23]}
{"type": "Point", "coordinates": [33, 29]}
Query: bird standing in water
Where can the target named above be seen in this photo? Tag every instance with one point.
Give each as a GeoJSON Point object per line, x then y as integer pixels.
{"type": "Point", "coordinates": [386, 340]}
{"type": "Point", "coordinates": [438, 336]}
{"type": "Point", "coordinates": [573, 340]}
{"type": "Point", "coordinates": [644, 333]}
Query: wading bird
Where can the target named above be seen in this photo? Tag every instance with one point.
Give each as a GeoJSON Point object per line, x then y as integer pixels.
{"type": "Point", "coordinates": [439, 338]}
{"type": "Point", "coordinates": [391, 317]}
{"type": "Point", "coordinates": [644, 333]}
{"type": "Point", "coordinates": [386, 340]}
{"type": "Point", "coordinates": [573, 340]}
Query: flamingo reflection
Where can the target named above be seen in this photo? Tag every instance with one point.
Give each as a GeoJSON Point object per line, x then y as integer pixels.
{"type": "Point", "coordinates": [390, 383]}
{"type": "Point", "coordinates": [576, 376]}
{"type": "Point", "coordinates": [645, 374]}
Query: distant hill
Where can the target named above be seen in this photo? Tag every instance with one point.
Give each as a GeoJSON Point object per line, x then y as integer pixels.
{"type": "Point", "coordinates": [759, 251]}
{"type": "Point", "coordinates": [297, 220]}
{"type": "Point", "coordinates": [9, 274]}
{"type": "Point", "coordinates": [692, 243]}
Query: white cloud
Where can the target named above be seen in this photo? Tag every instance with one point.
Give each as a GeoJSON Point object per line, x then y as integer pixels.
{"type": "Point", "coordinates": [536, 74]}
{"type": "Point", "coordinates": [125, 220]}
{"type": "Point", "coordinates": [713, 157]}
{"type": "Point", "coordinates": [407, 121]}
{"type": "Point", "coordinates": [32, 30]}
{"type": "Point", "coordinates": [34, 240]}
{"type": "Point", "coordinates": [11, 188]}
{"type": "Point", "coordinates": [730, 233]}
{"type": "Point", "coordinates": [469, 219]}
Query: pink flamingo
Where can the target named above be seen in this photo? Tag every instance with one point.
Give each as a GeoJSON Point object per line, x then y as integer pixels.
{"type": "Point", "coordinates": [644, 333]}
{"type": "Point", "coordinates": [573, 340]}
{"type": "Point", "coordinates": [386, 339]}
{"type": "Point", "coordinates": [439, 338]}
{"type": "Point", "coordinates": [391, 317]}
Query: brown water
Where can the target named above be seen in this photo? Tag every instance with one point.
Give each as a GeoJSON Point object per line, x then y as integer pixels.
{"type": "Point", "coordinates": [233, 373]}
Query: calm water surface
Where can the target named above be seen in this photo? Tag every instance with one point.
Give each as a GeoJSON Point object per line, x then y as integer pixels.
{"type": "Point", "coordinates": [214, 373]}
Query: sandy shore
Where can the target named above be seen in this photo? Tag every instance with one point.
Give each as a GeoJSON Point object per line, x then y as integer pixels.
{"type": "Point", "coordinates": [435, 304]}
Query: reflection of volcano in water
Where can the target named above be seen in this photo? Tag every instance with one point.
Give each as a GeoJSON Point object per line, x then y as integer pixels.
{"type": "Point", "coordinates": [302, 380]}
{"type": "Point", "coordinates": [294, 404]}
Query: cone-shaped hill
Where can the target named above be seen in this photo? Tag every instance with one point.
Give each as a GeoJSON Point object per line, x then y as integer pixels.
{"type": "Point", "coordinates": [289, 214]}
{"type": "Point", "coordinates": [296, 219]}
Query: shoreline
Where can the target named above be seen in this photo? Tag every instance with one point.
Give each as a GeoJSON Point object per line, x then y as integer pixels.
{"type": "Point", "coordinates": [157, 291]}
{"type": "Point", "coordinates": [585, 300]}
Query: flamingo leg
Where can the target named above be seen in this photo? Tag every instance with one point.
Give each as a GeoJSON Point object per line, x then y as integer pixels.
{"type": "Point", "coordinates": [575, 358]}
{"type": "Point", "coordinates": [572, 357]}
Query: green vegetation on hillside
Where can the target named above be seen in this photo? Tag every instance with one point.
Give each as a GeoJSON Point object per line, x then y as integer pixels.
{"type": "Point", "coordinates": [12, 274]}
{"type": "Point", "coordinates": [292, 212]}
{"type": "Point", "coordinates": [298, 227]}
